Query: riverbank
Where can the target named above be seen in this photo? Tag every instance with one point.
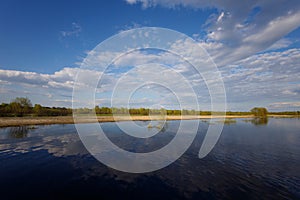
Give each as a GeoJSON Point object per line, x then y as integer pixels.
{"type": "Point", "coordinates": [23, 121]}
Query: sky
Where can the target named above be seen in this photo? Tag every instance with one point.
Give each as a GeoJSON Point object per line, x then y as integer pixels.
{"type": "Point", "coordinates": [254, 44]}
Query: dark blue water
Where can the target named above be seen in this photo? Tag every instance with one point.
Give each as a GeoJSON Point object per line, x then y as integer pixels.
{"type": "Point", "coordinates": [252, 160]}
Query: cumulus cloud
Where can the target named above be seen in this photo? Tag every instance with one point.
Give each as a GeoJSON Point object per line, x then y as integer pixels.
{"type": "Point", "coordinates": [64, 78]}
{"type": "Point", "coordinates": [48, 89]}
{"type": "Point", "coordinates": [264, 78]}
{"type": "Point", "coordinates": [239, 28]}
{"type": "Point", "coordinates": [125, 74]}
{"type": "Point", "coordinates": [247, 40]}
{"type": "Point", "coordinates": [259, 80]}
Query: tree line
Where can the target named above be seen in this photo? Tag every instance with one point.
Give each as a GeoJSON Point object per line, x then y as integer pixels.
{"type": "Point", "coordinates": [134, 111]}
{"type": "Point", "coordinates": [22, 106]}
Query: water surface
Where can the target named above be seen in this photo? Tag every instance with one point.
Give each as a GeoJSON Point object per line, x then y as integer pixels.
{"type": "Point", "coordinates": [252, 160]}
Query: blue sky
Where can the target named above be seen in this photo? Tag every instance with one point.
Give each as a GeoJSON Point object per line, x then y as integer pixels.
{"type": "Point", "coordinates": [32, 31]}
{"type": "Point", "coordinates": [255, 44]}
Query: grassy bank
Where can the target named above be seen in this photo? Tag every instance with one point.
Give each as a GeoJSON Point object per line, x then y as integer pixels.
{"type": "Point", "coordinates": [22, 121]}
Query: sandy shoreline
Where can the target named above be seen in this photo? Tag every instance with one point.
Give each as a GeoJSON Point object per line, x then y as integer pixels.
{"type": "Point", "coordinates": [22, 121]}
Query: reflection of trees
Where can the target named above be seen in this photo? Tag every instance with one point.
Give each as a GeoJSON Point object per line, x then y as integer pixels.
{"type": "Point", "coordinates": [18, 132]}
{"type": "Point", "coordinates": [229, 121]}
{"type": "Point", "coordinates": [257, 121]}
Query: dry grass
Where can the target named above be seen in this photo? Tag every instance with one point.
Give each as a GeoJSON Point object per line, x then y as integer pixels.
{"type": "Point", "coordinates": [21, 121]}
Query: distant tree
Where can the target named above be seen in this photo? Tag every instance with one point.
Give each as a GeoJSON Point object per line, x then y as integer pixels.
{"type": "Point", "coordinates": [143, 111]}
{"type": "Point", "coordinates": [125, 110]}
{"type": "Point", "coordinates": [192, 112]}
{"type": "Point", "coordinates": [5, 110]}
{"type": "Point", "coordinates": [185, 112]}
{"type": "Point", "coordinates": [177, 112]}
{"type": "Point", "coordinates": [20, 106]}
{"type": "Point", "coordinates": [16, 109]}
{"type": "Point", "coordinates": [259, 112]}
{"type": "Point", "coordinates": [38, 110]}
{"type": "Point", "coordinates": [23, 101]}
{"type": "Point", "coordinates": [205, 112]}
{"type": "Point", "coordinates": [97, 110]}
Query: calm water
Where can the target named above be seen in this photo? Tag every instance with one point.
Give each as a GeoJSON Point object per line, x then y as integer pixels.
{"type": "Point", "coordinates": [252, 160]}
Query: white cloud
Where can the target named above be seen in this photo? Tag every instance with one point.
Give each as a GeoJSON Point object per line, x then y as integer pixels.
{"type": "Point", "coordinates": [291, 92]}
{"type": "Point", "coordinates": [129, 26]}
{"type": "Point", "coordinates": [280, 44]}
{"type": "Point", "coordinates": [45, 89]}
{"type": "Point", "coordinates": [232, 44]}
{"type": "Point", "coordinates": [65, 77]}
{"type": "Point", "coordinates": [285, 105]}
{"type": "Point", "coordinates": [258, 80]}
{"type": "Point", "coordinates": [170, 3]}
{"type": "Point", "coordinates": [75, 30]}
{"type": "Point", "coordinates": [131, 1]}
{"type": "Point", "coordinates": [240, 28]}
{"type": "Point", "coordinates": [264, 78]}
{"type": "Point", "coordinates": [220, 17]}
{"type": "Point", "coordinates": [253, 81]}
